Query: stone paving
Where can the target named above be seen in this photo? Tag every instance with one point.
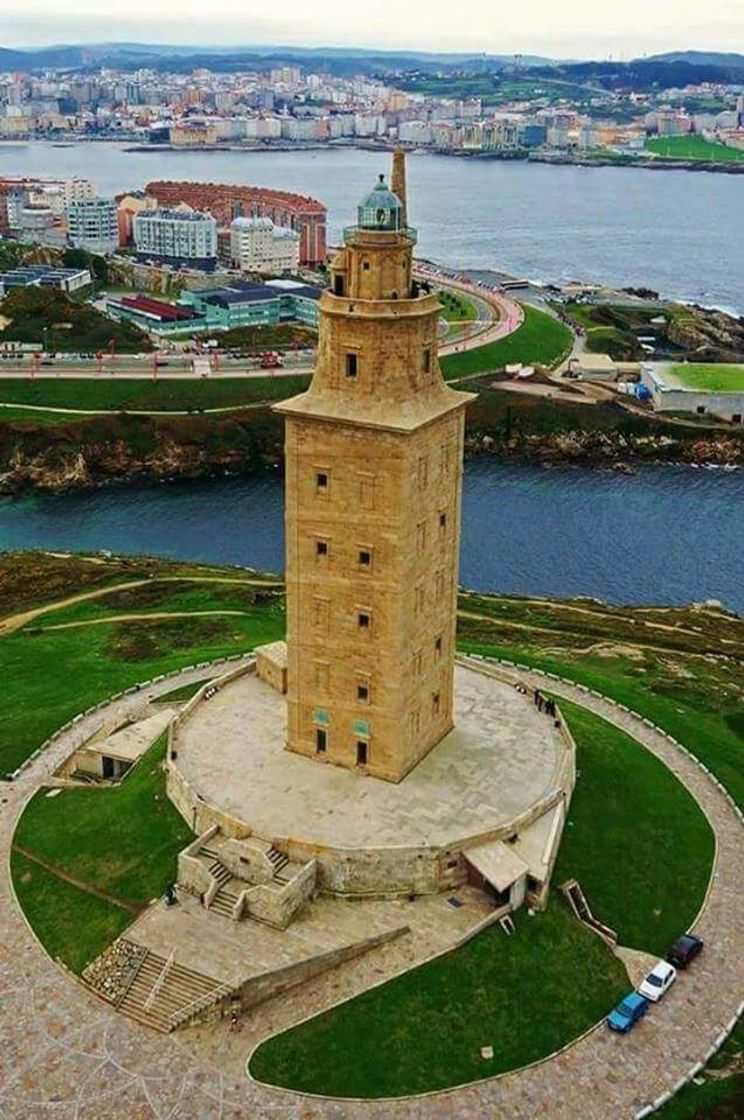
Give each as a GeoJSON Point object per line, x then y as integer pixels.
{"type": "Point", "coordinates": [501, 757]}
{"type": "Point", "coordinates": [64, 1055]}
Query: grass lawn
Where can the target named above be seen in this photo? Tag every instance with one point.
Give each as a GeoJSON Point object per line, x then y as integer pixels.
{"type": "Point", "coordinates": [184, 692]}
{"type": "Point", "coordinates": [714, 378]}
{"type": "Point", "coordinates": [145, 395]}
{"type": "Point", "coordinates": [693, 147]}
{"type": "Point", "coordinates": [423, 1031]}
{"type": "Point", "coordinates": [525, 996]}
{"type": "Point", "coordinates": [647, 870]}
{"type": "Point", "coordinates": [170, 596]}
{"type": "Point", "coordinates": [541, 339]}
{"type": "Point", "coordinates": [456, 308]}
{"type": "Point", "coordinates": [71, 924]}
{"type": "Point", "coordinates": [48, 676]}
{"type": "Point", "coordinates": [122, 840]}
{"type": "Point", "coordinates": [682, 683]}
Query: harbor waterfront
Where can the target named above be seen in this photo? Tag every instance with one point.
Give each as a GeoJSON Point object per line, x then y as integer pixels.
{"type": "Point", "coordinates": [677, 233]}
{"type": "Point", "coordinates": [666, 534]}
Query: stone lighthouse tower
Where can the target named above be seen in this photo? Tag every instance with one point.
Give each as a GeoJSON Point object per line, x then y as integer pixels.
{"type": "Point", "coordinates": [374, 453]}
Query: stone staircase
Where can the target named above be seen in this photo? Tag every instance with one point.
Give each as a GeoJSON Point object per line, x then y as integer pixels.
{"type": "Point", "coordinates": [225, 899]}
{"type": "Point", "coordinates": [161, 993]}
{"type": "Point", "coordinates": [280, 862]}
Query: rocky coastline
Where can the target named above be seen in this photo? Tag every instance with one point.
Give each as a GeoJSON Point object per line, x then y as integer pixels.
{"type": "Point", "coordinates": [119, 450]}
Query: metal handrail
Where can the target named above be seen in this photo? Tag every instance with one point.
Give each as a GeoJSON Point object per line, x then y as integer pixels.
{"type": "Point", "coordinates": [211, 996]}
{"type": "Point", "coordinates": [160, 980]}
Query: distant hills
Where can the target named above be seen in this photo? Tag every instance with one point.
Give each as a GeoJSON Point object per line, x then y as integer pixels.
{"type": "Point", "coordinates": [702, 58]}
{"type": "Point", "coordinates": [663, 70]}
{"type": "Point", "coordinates": [169, 57]}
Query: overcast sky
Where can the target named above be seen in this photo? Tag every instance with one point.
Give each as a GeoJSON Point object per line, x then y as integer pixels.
{"type": "Point", "coordinates": [569, 28]}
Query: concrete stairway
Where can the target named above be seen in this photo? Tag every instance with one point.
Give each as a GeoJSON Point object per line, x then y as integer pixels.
{"type": "Point", "coordinates": [164, 994]}
{"type": "Point", "coordinates": [225, 899]}
{"type": "Point", "coordinates": [279, 861]}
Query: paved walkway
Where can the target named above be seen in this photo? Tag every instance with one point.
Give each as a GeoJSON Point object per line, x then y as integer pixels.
{"type": "Point", "coordinates": [66, 1056]}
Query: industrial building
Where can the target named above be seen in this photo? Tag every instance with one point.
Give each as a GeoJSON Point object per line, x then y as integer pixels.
{"type": "Point", "coordinates": [702, 390]}
{"type": "Point", "coordinates": [220, 309]}
{"type": "Point", "coordinates": [45, 276]}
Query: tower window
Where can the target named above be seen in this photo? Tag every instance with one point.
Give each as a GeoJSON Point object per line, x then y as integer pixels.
{"type": "Point", "coordinates": [321, 740]}
{"type": "Point", "coordinates": [361, 752]}
{"type": "Point", "coordinates": [365, 558]}
{"type": "Point", "coordinates": [363, 620]}
{"type": "Point", "coordinates": [442, 520]}
{"type": "Point", "coordinates": [365, 266]}
{"type": "Point", "coordinates": [435, 703]}
{"type": "Point", "coordinates": [423, 471]}
{"type": "Point", "coordinates": [321, 548]}
{"type": "Point", "coordinates": [363, 691]}
{"type": "Point", "coordinates": [351, 365]}
{"type": "Point", "coordinates": [426, 361]}
{"type": "Point", "coordinates": [321, 482]}
{"type": "Point", "coordinates": [338, 285]}
{"type": "Point", "coordinates": [438, 646]}
{"type": "Point", "coordinates": [421, 537]}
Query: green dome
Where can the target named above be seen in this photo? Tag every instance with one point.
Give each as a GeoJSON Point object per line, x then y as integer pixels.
{"type": "Point", "coordinates": [381, 209]}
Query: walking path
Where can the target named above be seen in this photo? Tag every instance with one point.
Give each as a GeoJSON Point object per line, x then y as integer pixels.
{"type": "Point", "coordinates": [66, 1056]}
{"type": "Point", "coordinates": [15, 621]}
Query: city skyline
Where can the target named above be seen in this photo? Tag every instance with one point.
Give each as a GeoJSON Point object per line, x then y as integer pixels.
{"type": "Point", "coordinates": [584, 32]}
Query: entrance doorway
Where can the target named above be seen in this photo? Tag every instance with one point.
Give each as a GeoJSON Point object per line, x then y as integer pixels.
{"type": "Point", "coordinates": [361, 752]}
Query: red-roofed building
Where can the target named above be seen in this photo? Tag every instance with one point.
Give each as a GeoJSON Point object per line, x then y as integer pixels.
{"type": "Point", "coordinates": [225, 202]}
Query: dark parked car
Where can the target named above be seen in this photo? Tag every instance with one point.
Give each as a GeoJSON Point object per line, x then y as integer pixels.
{"type": "Point", "coordinates": [684, 950]}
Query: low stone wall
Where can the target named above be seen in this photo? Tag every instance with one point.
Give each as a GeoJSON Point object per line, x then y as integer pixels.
{"type": "Point", "coordinates": [260, 988]}
{"type": "Point", "coordinates": [247, 861]}
{"type": "Point", "coordinates": [200, 816]}
{"type": "Point", "coordinates": [372, 873]}
{"type": "Point", "coordinates": [193, 876]}
{"type": "Point", "coordinates": [276, 904]}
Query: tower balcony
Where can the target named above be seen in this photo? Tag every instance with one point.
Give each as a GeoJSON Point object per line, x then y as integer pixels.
{"type": "Point", "coordinates": [358, 235]}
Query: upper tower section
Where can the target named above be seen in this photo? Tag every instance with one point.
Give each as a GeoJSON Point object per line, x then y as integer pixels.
{"type": "Point", "coordinates": [377, 358]}
{"type": "Point", "coordinates": [376, 259]}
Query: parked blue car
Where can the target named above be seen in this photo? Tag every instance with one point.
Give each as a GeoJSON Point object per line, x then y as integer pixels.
{"type": "Point", "coordinates": [627, 1013]}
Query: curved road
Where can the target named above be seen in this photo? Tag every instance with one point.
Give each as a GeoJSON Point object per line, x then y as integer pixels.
{"type": "Point", "coordinates": [67, 1056]}
{"type": "Point", "coordinates": [497, 316]}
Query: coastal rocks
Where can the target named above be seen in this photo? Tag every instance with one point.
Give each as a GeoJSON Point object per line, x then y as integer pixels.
{"type": "Point", "coordinates": [610, 448]}
{"type": "Point", "coordinates": [120, 449]}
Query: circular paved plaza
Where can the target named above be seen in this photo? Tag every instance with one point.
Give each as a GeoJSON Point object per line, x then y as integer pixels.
{"type": "Point", "coordinates": [66, 1056]}
{"type": "Point", "coordinates": [501, 759]}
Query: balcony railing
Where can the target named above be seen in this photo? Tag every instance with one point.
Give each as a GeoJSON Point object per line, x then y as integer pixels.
{"type": "Point", "coordinates": [407, 231]}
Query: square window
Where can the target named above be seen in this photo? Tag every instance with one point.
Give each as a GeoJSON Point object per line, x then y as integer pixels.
{"type": "Point", "coordinates": [363, 620]}
{"type": "Point", "coordinates": [363, 692]}
{"type": "Point", "coordinates": [351, 365]}
{"type": "Point", "coordinates": [365, 558]}
{"type": "Point", "coordinates": [321, 548]}
{"type": "Point", "coordinates": [321, 480]}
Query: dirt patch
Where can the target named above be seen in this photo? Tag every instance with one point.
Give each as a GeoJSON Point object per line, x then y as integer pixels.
{"type": "Point", "coordinates": [144, 641]}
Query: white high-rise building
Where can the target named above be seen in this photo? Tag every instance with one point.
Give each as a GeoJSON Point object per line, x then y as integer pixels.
{"type": "Point", "coordinates": [177, 237]}
{"type": "Point", "coordinates": [92, 224]}
{"type": "Point", "coordinates": [257, 245]}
